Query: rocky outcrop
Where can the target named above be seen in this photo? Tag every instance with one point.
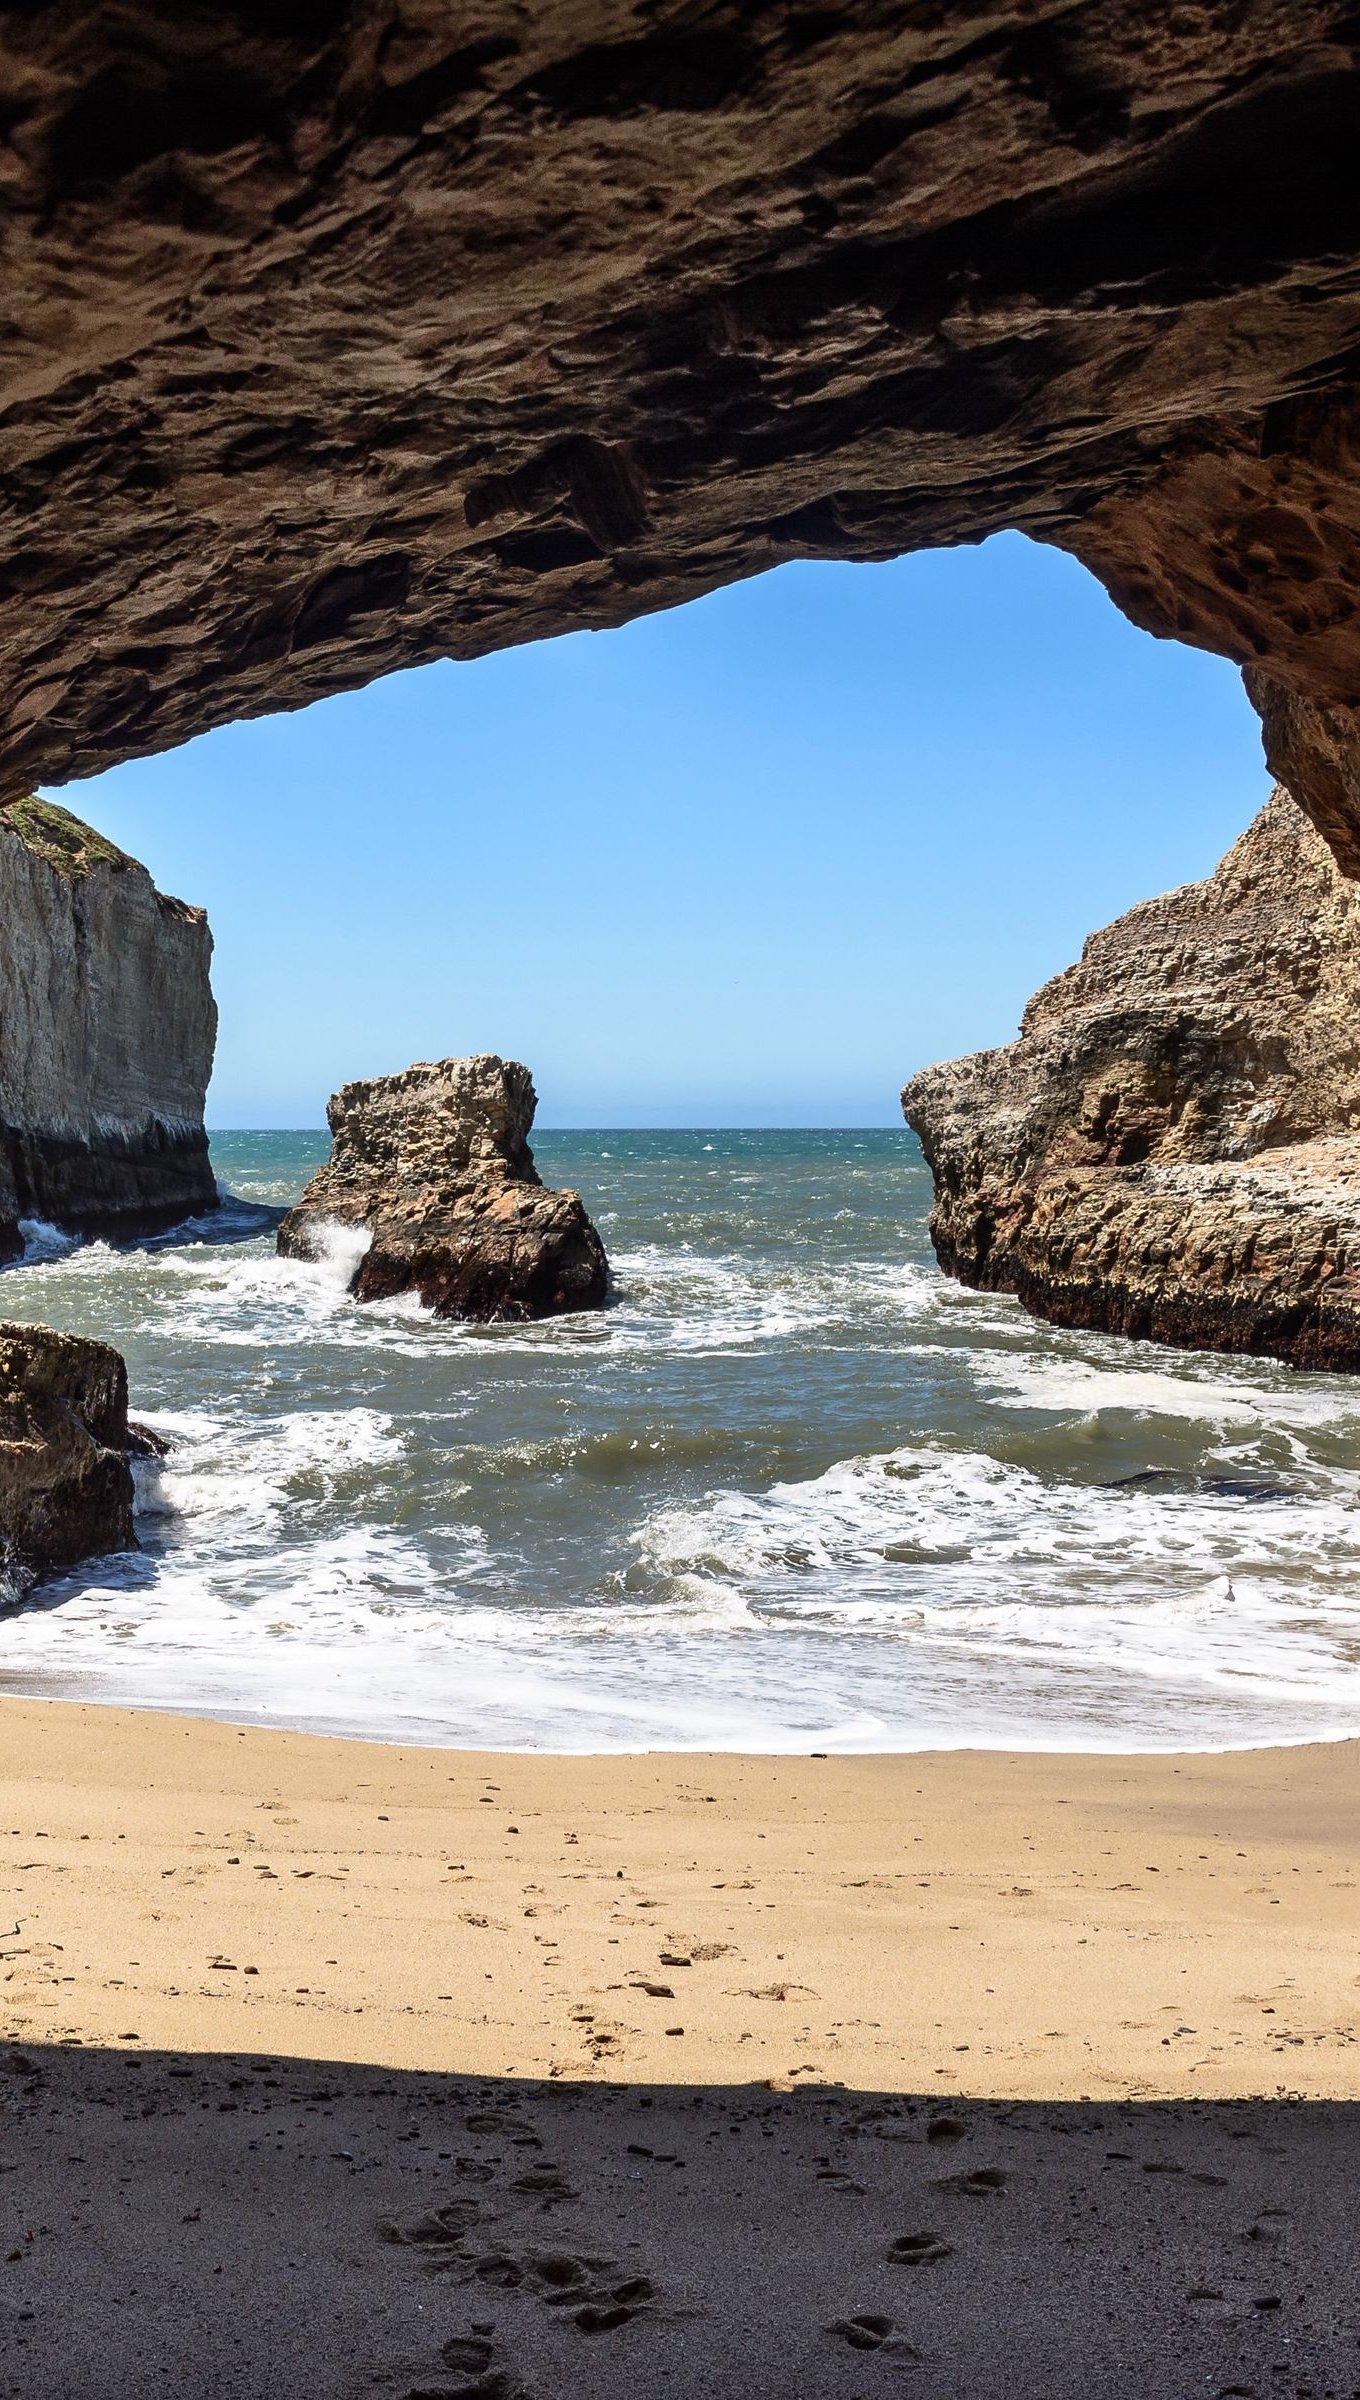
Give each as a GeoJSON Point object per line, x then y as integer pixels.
{"type": "Point", "coordinates": [342, 338]}
{"type": "Point", "coordinates": [107, 1027]}
{"type": "Point", "coordinates": [435, 1163]}
{"type": "Point", "coordinates": [1172, 1147]}
{"type": "Point", "coordinates": [65, 1482]}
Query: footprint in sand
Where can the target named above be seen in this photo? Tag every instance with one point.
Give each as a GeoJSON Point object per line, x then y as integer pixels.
{"type": "Point", "coordinates": [477, 2377]}
{"type": "Point", "coordinates": [601, 2316]}
{"type": "Point", "coordinates": [482, 2388]}
{"type": "Point", "coordinates": [472, 2359]}
{"type": "Point", "coordinates": [431, 2228]}
{"type": "Point", "coordinates": [946, 2129]}
{"type": "Point", "coordinates": [918, 2249]}
{"type": "Point", "coordinates": [553, 2275]}
{"type": "Point", "coordinates": [980, 2183]}
{"type": "Point", "coordinates": [546, 2183]}
{"type": "Point", "coordinates": [471, 2353]}
{"type": "Point", "coordinates": [596, 2291]}
{"type": "Point", "coordinates": [866, 2332]}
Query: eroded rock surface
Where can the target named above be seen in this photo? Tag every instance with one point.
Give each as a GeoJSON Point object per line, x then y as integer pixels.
{"type": "Point", "coordinates": [65, 1482]}
{"type": "Point", "coordinates": [107, 1027]}
{"type": "Point", "coordinates": [339, 338]}
{"type": "Point", "coordinates": [1172, 1147]}
{"type": "Point", "coordinates": [435, 1163]}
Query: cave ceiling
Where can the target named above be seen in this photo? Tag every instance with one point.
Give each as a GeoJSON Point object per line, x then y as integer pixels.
{"type": "Point", "coordinates": [340, 338]}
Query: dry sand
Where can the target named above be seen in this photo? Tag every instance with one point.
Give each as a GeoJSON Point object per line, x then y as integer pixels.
{"type": "Point", "coordinates": [695, 2075]}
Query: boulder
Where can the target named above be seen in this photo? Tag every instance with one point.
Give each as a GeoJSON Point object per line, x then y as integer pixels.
{"type": "Point", "coordinates": [107, 1027]}
{"type": "Point", "coordinates": [1172, 1147]}
{"type": "Point", "coordinates": [65, 1482]}
{"type": "Point", "coordinates": [435, 1164]}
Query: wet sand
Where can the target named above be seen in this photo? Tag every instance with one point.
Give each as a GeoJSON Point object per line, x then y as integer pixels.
{"type": "Point", "coordinates": [699, 2074]}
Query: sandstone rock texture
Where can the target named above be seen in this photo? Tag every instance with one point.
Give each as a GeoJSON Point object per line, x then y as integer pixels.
{"type": "Point", "coordinates": [107, 1026]}
{"type": "Point", "coordinates": [65, 1482]}
{"type": "Point", "coordinates": [344, 337]}
{"type": "Point", "coordinates": [436, 1163]}
{"type": "Point", "coordinates": [1172, 1147]}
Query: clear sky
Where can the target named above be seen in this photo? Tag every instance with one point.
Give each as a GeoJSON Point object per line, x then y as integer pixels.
{"type": "Point", "coordinates": [749, 862]}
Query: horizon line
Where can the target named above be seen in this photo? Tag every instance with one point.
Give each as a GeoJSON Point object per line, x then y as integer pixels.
{"type": "Point", "coordinates": [695, 1125]}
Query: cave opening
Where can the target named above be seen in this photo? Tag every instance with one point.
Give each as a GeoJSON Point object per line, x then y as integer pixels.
{"type": "Point", "coordinates": [749, 861]}
{"type": "Point", "coordinates": [641, 363]}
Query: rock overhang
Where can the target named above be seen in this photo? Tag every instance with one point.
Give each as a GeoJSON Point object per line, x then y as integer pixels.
{"type": "Point", "coordinates": [347, 338]}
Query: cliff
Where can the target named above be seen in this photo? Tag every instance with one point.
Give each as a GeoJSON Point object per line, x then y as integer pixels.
{"type": "Point", "coordinates": [1172, 1147]}
{"type": "Point", "coordinates": [107, 1026]}
{"type": "Point", "coordinates": [436, 1163]}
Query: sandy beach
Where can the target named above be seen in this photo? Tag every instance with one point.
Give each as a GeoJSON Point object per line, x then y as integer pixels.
{"type": "Point", "coordinates": [1004, 1925]}
{"type": "Point", "coordinates": [694, 2061]}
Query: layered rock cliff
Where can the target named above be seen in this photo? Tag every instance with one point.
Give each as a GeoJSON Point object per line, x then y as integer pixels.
{"type": "Point", "coordinates": [339, 338]}
{"type": "Point", "coordinates": [107, 1026]}
{"type": "Point", "coordinates": [1172, 1147]}
{"type": "Point", "coordinates": [65, 1483]}
{"type": "Point", "coordinates": [435, 1163]}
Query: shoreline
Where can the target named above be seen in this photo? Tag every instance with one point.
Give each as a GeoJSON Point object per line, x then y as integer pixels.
{"type": "Point", "coordinates": [46, 1690]}
{"type": "Point", "coordinates": [38, 1690]}
{"type": "Point", "coordinates": [889, 1921]}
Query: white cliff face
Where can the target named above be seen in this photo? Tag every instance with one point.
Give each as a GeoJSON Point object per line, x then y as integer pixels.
{"type": "Point", "coordinates": [107, 1029]}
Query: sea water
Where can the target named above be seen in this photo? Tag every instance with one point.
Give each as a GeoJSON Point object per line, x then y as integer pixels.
{"type": "Point", "coordinates": [790, 1490]}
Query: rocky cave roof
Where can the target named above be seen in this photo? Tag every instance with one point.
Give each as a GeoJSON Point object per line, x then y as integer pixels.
{"type": "Point", "coordinates": [340, 338]}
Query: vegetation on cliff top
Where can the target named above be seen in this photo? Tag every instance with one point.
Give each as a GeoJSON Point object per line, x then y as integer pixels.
{"type": "Point", "coordinates": [68, 845]}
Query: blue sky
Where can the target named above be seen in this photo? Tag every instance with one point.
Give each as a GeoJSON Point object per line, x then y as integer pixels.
{"type": "Point", "coordinates": [749, 862]}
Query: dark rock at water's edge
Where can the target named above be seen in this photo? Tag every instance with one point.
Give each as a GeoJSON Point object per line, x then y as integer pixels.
{"type": "Point", "coordinates": [107, 1027]}
{"type": "Point", "coordinates": [65, 1482]}
{"type": "Point", "coordinates": [341, 338]}
{"type": "Point", "coordinates": [435, 1163]}
{"type": "Point", "coordinates": [1172, 1147]}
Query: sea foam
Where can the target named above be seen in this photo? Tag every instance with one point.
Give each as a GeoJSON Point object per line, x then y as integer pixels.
{"type": "Point", "coordinates": [791, 1489]}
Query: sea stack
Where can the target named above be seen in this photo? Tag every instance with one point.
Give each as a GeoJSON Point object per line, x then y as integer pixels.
{"type": "Point", "coordinates": [107, 1026]}
{"type": "Point", "coordinates": [65, 1482]}
{"type": "Point", "coordinates": [435, 1163]}
{"type": "Point", "coordinates": [1172, 1147]}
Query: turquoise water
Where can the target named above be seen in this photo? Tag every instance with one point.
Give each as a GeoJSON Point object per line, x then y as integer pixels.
{"type": "Point", "coordinates": [791, 1490]}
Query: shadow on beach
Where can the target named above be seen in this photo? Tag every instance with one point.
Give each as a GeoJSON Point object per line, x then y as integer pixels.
{"type": "Point", "coordinates": [245, 2225]}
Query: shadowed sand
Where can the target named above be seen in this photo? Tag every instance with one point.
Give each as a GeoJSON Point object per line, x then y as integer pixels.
{"type": "Point", "coordinates": [466, 2074]}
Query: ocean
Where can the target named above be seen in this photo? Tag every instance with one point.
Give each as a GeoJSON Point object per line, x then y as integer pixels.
{"type": "Point", "coordinates": [792, 1490]}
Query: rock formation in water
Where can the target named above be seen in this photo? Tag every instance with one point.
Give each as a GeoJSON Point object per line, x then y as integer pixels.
{"type": "Point", "coordinates": [107, 1026]}
{"type": "Point", "coordinates": [65, 1481]}
{"type": "Point", "coordinates": [1172, 1147]}
{"type": "Point", "coordinates": [340, 338]}
{"type": "Point", "coordinates": [436, 1164]}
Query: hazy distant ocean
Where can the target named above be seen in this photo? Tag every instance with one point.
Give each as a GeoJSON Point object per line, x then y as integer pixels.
{"type": "Point", "coordinates": [791, 1491]}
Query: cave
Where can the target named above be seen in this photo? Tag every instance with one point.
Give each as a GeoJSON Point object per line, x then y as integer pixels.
{"type": "Point", "coordinates": [345, 338]}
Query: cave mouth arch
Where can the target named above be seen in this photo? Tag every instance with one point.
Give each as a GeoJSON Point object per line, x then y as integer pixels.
{"type": "Point", "coordinates": [339, 344]}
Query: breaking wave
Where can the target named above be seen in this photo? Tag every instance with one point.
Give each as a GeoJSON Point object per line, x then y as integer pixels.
{"type": "Point", "coordinates": [790, 1490]}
